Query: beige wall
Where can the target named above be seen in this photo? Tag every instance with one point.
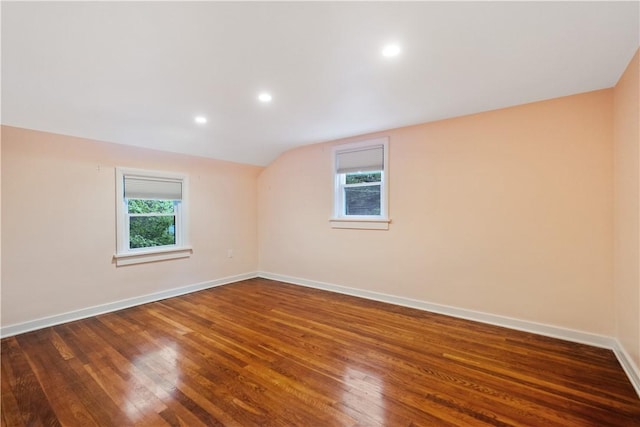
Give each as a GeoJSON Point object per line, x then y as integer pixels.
{"type": "Point", "coordinates": [627, 210]}
{"type": "Point", "coordinates": [58, 223]}
{"type": "Point", "coordinates": [507, 212]}
{"type": "Point", "coordinates": [0, 225]}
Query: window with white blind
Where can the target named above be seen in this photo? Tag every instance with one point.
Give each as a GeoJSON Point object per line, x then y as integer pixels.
{"type": "Point", "coordinates": [361, 185]}
{"type": "Point", "coordinates": [151, 216]}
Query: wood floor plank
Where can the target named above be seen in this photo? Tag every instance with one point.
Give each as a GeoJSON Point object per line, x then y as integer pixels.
{"type": "Point", "coordinates": [265, 353]}
{"type": "Point", "coordinates": [9, 405]}
{"type": "Point", "coordinates": [33, 404]}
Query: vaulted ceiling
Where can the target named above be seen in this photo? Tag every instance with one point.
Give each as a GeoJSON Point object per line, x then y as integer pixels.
{"type": "Point", "coordinates": [139, 73]}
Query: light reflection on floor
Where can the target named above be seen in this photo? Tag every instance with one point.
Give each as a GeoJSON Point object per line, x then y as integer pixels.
{"type": "Point", "coordinates": [365, 394]}
{"type": "Point", "coordinates": [164, 363]}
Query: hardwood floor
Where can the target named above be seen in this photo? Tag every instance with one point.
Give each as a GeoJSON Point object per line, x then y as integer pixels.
{"type": "Point", "coordinates": [265, 353]}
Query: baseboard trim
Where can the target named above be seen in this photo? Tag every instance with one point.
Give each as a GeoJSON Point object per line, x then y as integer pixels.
{"type": "Point", "coordinates": [507, 322]}
{"type": "Point", "coordinates": [627, 364]}
{"type": "Point", "coordinates": [32, 325]}
{"type": "Point", "coordinates": [492, 319]}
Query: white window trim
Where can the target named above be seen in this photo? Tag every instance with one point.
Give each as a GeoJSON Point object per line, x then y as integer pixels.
{"type": "Point", "coordinates": [126, 256]}
{"type": "Point", "coordinates": [365, 222]}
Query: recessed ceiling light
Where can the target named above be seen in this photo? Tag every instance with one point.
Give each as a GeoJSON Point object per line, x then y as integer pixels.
{"type": "Point", "coordinates": [200, 120]}
{"type": "Point", "coordinates": [391, 50]}
{"type": "Point", "coordinates": [265, 97]}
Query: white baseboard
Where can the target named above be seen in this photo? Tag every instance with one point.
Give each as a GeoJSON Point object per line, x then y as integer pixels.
{"type": "Point", "coordinates": [32, 325]}
{"type": "Point", "coordinates": [627, 364]}
{"type": "Point", "coordinates": [522, 325]}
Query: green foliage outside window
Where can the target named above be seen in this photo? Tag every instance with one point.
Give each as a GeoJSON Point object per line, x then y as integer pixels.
{"type": "Point", "coordinates": [359, 178]}
{"type": "Point", "coordinates": [151, 223]}
{"type": "Point", "coordinates": [139, 206]}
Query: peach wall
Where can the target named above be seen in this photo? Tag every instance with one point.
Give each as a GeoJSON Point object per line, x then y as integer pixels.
{"type": "Point", "coordinates": [627, 210]}
{"type": "Point", "coordinates": [507, 212]}
{"type": "Point", "coordinates": [58, 223]}
{"type": "Point", "coordinates": [0, 225]}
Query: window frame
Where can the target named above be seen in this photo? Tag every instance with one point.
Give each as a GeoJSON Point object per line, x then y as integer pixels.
{"type": "Point", "coordinates": [124, 254]}
{"type": "Point", "coordinates": [371, 222]}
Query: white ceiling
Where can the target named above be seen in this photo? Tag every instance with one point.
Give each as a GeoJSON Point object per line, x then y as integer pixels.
{"type": "Point", "coordinates": [138, 73]}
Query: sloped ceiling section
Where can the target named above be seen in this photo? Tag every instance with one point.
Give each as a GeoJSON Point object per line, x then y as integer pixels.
{"type": "Point", "coordinates": [139, 72]}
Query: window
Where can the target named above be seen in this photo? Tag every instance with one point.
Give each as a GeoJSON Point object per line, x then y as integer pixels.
{"type": "Point", "coordinates": [360, 189]}
{"type": "Point", "coordinates": [151, 216]}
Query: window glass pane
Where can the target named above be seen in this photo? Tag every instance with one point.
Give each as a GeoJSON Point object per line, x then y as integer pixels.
{"type": "Point", "coordinates": [363, 200]}
{"type": "Point", "coordinates": [150, 206]}
{"type": "Point", "coordinates": [149, 231]}
{"type": "Point", "coordinates": [358, 178]}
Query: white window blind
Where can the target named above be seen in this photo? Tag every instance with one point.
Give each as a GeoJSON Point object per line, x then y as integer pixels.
{"type": "Point", "coordinates": [360, 160]}
{"type": "Point", "coordinates": [136, 187]}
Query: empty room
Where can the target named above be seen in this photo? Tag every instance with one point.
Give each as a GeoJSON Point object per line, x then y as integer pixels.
{"type": "Point", "coordinates": [320, 214]}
